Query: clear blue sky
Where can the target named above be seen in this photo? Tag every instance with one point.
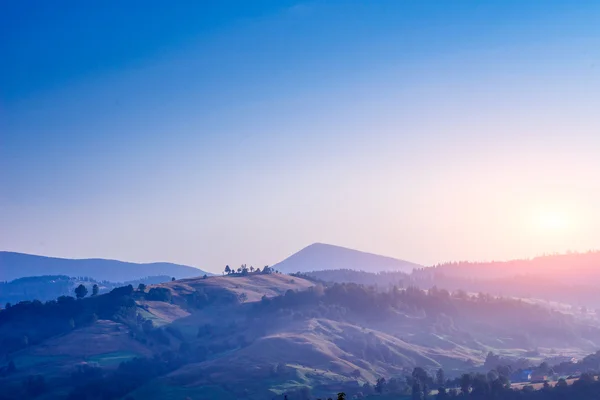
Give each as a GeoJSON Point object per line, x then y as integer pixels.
{"type": "Point", "coordinates": [241, 131]}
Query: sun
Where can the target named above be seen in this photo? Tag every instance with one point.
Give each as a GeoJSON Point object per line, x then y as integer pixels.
{"type": "Point", "coordinates": [551, 221]}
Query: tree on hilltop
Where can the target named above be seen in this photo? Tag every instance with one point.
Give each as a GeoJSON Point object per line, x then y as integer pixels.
{"type": "Point", "coordinates": [81, 291]}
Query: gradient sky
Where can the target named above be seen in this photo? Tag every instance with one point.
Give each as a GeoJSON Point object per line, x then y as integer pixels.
{"type": "Point", "coordinates": [229, 132]}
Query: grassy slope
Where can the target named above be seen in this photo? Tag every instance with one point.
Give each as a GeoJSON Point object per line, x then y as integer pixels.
{"type": "Point", "coordinates": [317, 352]}
{"type": "Point", "coordinates": [254, 285]}
{"type": "Point", "coordinates": [104, 339]}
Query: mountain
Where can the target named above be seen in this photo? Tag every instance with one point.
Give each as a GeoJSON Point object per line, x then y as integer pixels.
{"type": "Point", "coordinates": [320, 256]}
{"type": "Point", "coordinates": [19, 265]}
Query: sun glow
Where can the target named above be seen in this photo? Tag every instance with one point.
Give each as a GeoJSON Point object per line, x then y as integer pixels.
{"type": "Point", "coordinates": [552, 221]}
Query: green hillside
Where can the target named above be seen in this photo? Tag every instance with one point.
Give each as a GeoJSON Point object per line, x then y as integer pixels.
{"type": "Point", "coordinates": [263, 335]}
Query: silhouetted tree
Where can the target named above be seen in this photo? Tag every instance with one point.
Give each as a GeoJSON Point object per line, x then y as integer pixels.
{"type": "Point", "coordinates": [420, 376]}
{"type": "Point", "coordinates": [440, 377]}
{"type": "Point", "coordinates": [587, 377]}
{"type": "Point", "coordinates": [95, 290]}
{"type": "Point", "coordinates": [504, 370]}
{"type": "Point", "coordinates": [172, 279]}
{"type": "Point", "coordinates": [243, 297]}
{"type": "Point", "coordinates": [141, 287]}
{"type": "Point", "coordinates": [466, 380]}
{"type": "Point", "coordinates": [81, 291]}
{"type": "Point", "coordinates": [380, 385]}
{"type": "Point", "coordinates": [481, 387]}
{"type": "Point", "coordinates": [227, 270]}
{"type": "Point", "coordinates": [159, 294]}
{"type": "Point", "coordinates": [528, 389]}
{"type": "Point", "coordinates": [417, 391]}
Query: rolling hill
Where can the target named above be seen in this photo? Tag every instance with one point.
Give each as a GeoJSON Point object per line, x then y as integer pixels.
{"type": "Point", "coordinates": [320, 256]}
{"type": "Point", "coordinates": [19, 265]}
{"type": "Point", "coordinates": [263, 335]}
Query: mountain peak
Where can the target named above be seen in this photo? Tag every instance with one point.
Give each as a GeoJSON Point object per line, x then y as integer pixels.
{"type": "Point", "coordinates": [322, 256]}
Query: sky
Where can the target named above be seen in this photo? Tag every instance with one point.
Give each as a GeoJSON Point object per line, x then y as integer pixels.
{"type": "Point", "coordinates": [230, 132]}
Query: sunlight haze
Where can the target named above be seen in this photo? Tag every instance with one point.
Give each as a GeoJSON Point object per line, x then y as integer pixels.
{"type": "Point", "coordinates": [216, 136]}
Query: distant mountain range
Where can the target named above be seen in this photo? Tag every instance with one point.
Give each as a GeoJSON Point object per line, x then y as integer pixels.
{"type": "Point", "coordinates": [19, 265]}
{"type": "Point", "coordinates": [320, 256]}
{"type": "Point", "coordinates": [569, 269]}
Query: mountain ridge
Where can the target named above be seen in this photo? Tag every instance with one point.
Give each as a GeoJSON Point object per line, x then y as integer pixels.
{"type": "Point", "coordinates": [14, 265]}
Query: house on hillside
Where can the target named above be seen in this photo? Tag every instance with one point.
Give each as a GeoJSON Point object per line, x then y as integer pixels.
{"type": "Point", "coordinates": [560, 359]}
{"type": "Point", "coordinates": [539, 378]}
{"type": "Point", "coordinates": [522, 376]}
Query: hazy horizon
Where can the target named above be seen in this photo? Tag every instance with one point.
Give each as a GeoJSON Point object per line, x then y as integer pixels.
{"type": "Point", "coordinates": [219, 269]}
{"type": "Point", "coordinates": [241, 133]}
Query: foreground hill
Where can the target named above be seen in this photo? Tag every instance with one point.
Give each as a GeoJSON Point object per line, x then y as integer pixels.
{"type": "Point", "coordinates": [19, 265]}
{"type": "Point", "coordinates": [263, 336]}
{"type": "Point", "coordinates": [344, 336]}
{"type": "Point", "coordinates": [320, 256]}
